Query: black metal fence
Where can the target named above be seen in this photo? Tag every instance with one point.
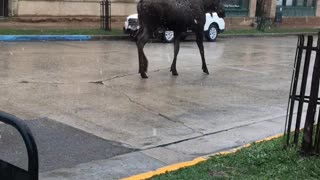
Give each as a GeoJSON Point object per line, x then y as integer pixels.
{"type": "Point", "coordinates": [4, 8]}
{"type": "Point", "coordinates": [9, 171]}
{"type": "Point", "coordinates": [305, 90]}
{"type": "Point", "coordinates": [105, 15]}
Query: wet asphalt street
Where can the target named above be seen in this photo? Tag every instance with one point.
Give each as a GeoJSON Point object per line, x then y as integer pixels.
{"type": "Point", "coordinates": [94, 117]}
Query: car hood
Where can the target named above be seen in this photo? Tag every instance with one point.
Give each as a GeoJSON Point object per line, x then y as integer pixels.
{"type": "Point", "coordinates": [133, 16]}
{"type": "Point", "coordinates": [213, 14]}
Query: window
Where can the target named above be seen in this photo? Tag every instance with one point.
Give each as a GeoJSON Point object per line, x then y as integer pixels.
{"type": "Point", "coordinates": [279, 2]}
{"type": "Point", "coordinates": [297, 7]}
{"type": "Point", "coordinates": [289, 2]}
{"type": "Point", "coordinates": [296, 2]}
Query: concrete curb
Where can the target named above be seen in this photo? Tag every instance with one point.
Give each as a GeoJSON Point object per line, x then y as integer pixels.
{"type": "Point", "coordinates": [110, 37]}
{"type": "Point", "coordinates": [266, 34]}
{"type": "Point", "coordinates": [19, 38]}
{"type": "Point", "coordinates": [13, 38]}
{"type": "Point", "coordinates": [193, 162]}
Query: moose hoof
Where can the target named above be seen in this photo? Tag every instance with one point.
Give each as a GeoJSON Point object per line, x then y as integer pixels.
{"type": "Point", "coordinates": [205, 70]}
{"type": "Point", "coordinates": [144, 75]}
{"type": "Point", "coordinates": [174, 72]}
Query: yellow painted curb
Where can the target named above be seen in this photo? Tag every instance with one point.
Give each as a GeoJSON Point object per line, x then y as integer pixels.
{"type": "Point", "coordinates": [234, 150]}
{"type": "Point", "coordinates": [166, 169]}
{"type": "Point", "coordinates": [177, 166]}
{"type": "Point", "coordinates": [270, 138]}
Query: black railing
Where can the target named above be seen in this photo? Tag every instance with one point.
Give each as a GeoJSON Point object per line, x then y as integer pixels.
{"type": "Point", "coordinates": [105, 15]}
{"type": "Point", "coordinates": [310, 140]}
{"type": "Point", "coordinates": [9, 171]}
{"type": "Point", "coordinates": [4, 8]}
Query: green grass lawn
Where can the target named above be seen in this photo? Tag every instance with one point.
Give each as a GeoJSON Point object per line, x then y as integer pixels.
{"type": "Point", "coordinates": [120, 32]}
{"type": "Point", "coordinates": [267, 160]}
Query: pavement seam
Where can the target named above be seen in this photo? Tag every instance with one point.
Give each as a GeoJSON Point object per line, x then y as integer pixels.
{"type": "Point", "coordinates": [121, 76]}
{"type": "Point", "coordinates": [178, 122]}
{"type": "Point", "coordinates": [216, 132]}
{"type": "Point", "coordinates": [195, 161]}
{"type": "Point", "coordinates": [149, 109]}
{"type": "Point", "coordinates": [101, 82]}
{"type": "Point", "coordinates": [115, 77]}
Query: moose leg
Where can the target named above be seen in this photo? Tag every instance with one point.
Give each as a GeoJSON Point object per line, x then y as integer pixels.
{"type": "Point", "coordinates": [142, 39]}
{"type": "Point", "coordinates": [199, 35]}
{"type": "Point", "coordinates": [176, 51]}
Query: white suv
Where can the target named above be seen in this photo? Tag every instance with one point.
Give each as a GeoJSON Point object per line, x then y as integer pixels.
{"type": "Point", "coordinates": [213, 26]}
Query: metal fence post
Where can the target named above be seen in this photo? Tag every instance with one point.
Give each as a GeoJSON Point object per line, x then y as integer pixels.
{"type": "Point", "coordinates": [294, 84]}
{"type": "Point", "coordinates": [308, 128]}
{"type": "Point", "coordinates": [303, 89]}
{"type": "Point", "coordinates": [105, 15]}
{"type": "Point", "coordinates": [310, 141]}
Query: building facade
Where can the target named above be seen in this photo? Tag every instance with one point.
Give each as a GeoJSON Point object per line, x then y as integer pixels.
{"type": "Point", "coordinates": [294, 13]}
{"type": "Point", "coordinates": [239, 12]}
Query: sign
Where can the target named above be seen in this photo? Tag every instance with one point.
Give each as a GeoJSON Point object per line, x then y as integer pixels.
{"type": "Point", "coordinates": [232, 3]}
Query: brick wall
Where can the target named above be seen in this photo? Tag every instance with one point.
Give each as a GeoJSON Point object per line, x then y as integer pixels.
{"type": "Point", "coordinates": [239, 22]}
{"type": "Point", "coordinates": [300, 22]}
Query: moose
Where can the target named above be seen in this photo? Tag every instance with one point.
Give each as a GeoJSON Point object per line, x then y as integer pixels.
{"type": "Point", "coordinates": [177, 16]}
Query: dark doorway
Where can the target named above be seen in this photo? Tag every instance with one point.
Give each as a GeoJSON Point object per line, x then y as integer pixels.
{"type": "Point", "coordinates": [3, 8]}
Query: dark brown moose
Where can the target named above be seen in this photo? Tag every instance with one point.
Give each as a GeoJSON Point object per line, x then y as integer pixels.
{"type": "Point", "coordinates": [177, 16]}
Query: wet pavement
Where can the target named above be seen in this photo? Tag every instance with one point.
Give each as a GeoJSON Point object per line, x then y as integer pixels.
{"type": "Point", "coordinates": [93, 91]}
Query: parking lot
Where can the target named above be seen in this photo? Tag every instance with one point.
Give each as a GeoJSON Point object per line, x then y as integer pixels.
{"type": "Point", "coordinates": [95, 118]}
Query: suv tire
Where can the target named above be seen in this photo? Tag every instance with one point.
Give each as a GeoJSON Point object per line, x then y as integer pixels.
{"type": "Point", "coordinates": [212, 33]}
{"type": "Point", "coordinates": [168, 36]}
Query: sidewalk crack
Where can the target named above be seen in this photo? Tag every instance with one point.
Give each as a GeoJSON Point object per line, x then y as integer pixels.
{"type": "Point", "coordinates": [179, 122]}
{"type": "Point", "coordinates": [212, 133]}
{"type": "Point", "coordinates": [151, 110]}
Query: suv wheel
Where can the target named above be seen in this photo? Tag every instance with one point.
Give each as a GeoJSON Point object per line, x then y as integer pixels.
{"type": "Point", "coordinates": [168, 36]}
{"type": "Point", "coordinates": [212, 33]}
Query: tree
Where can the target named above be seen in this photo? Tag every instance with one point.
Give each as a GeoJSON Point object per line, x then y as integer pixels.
{"type": "Point", "coordinates": [261, 14]}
